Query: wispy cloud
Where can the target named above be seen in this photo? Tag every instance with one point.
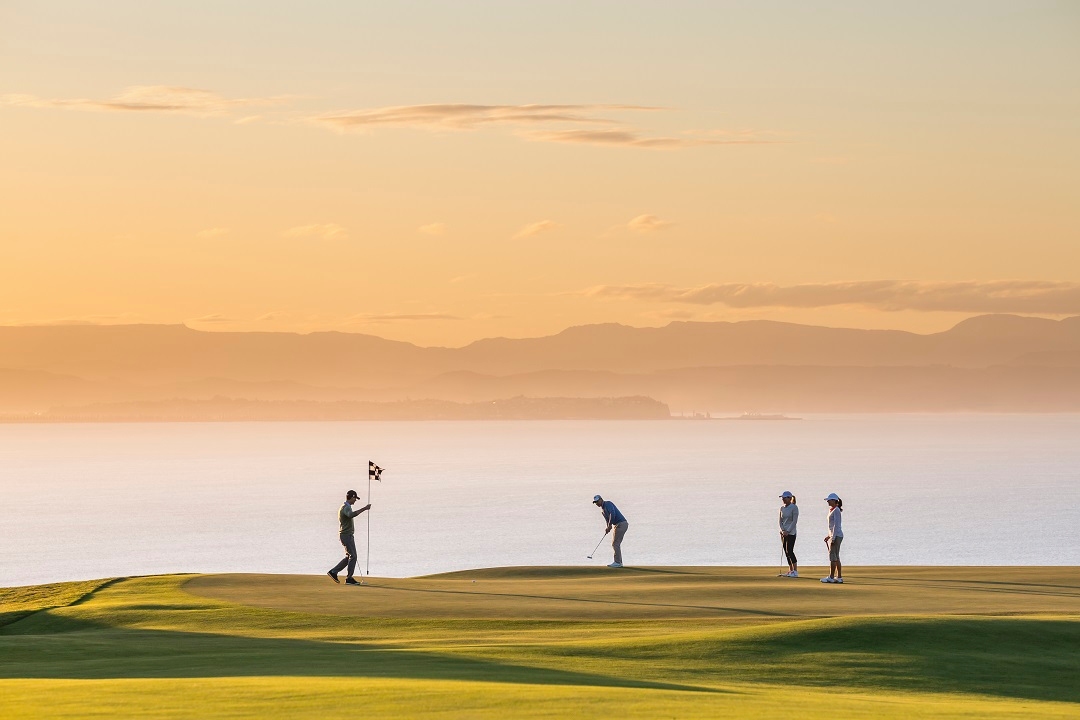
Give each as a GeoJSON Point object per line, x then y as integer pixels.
{"type": "Point", "coordinates": [149, 99]}
{"type": "Point", "coordinates": [994, 296]}
{"type": "Point", "coordinates": [211, 233]}
{"type": "Point", "coordinates": [588, 124]}
{"type": "Point", "coordinates": [535, 229]}
{"type": "Point", "coordinates": [325, 231]}
{"type": "Point", "coordinates": [397, 317]}
{"type": "Point", "coordinates": [647, 224]}
{"type": "Point", "coordinates": [673, 314]}
{"type": "Point", "coordinates": [543, 123]}
{"type": "Point", "coordinates": [436, 228]}
{"type": "Point", "coordinates": [632, 138]}
{"type": "Point", "coordinates": [460, 116]}
{"type": "Point", "coordinates": [119, 319]}
{"type": "Point", "coordinates": [211, 319]}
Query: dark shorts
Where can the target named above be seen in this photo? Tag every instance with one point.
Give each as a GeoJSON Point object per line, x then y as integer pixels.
{"type": "Point", "coordinates": [834, 549]}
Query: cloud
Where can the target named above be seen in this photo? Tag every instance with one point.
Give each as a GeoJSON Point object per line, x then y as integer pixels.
{"type": "Point", "coordinates": [119, 319]}
{"type": "Point", "coordinates": [460, 116]}
{"type": "Point", "coordinates": [632, 138]}
{"type": "Point", "coordinates": [437, 228]}
{"type": "Point", "coordinates": [542, 123]}
{"type": "Point", "coordinates": [535, 229]}
{"type": "Point", "coordinates": [398, 317]}
{"type": "Point", "coordinates": [672, 315]}
{"type": "Point", "coordinates": [211, 233]}
{"type": "Point", "coordinates": [214, 318]}
{"type": "Point", "coordinates": [994, 296]}
{"type": "Point", "coordinates": [647, 224]}
{"type": "Point", "coordinates": [149, 98]}
{"type": "Point", "coordinates": [326, 231]}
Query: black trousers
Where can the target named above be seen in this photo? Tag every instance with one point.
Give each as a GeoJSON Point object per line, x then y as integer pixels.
{"type": "Point", "coordinates": [789, 549]}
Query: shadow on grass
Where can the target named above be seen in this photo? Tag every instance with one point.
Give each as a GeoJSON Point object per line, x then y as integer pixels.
{"type": "Point", "coordinates": [548, 572]}
{"type": "Point", "coordinates": [986, 586]}
{"type": "Point", "coordinates": [37, 598]}
{"type": "Point", "coordinates": [594, 601]}
{"type": "Point", "coordinates": [1007, 657]}
{"type": "Point", "coordinates": [12, 616]}
{"type": "Point", "coordinates": [53, 647]}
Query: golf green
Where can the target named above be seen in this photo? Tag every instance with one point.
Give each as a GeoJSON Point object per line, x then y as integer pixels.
{"type": "Point", "coordinates": [550, 642]}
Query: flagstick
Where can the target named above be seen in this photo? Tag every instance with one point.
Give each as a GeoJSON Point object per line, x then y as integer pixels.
{"type": "Point", "coordinates": [367, 563]}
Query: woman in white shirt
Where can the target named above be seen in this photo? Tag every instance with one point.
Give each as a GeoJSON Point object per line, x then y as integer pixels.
{"type": "Point", "coordinates": [789, 518]}
{"type": "Point", "coordinates": [834, 538]}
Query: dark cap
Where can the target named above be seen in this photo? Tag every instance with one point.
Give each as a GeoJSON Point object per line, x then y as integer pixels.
{"type": "Point", "coordinates": [351, 493]}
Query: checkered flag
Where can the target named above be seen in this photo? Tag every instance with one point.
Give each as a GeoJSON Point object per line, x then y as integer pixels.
{"type": "Point", "coordinates": [374, 472]}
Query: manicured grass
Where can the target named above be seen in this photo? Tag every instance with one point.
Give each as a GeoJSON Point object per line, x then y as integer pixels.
{"type": "Point", "coordinates": [18, 602]}
{"type": "Point", "coordinates": [552, 642]}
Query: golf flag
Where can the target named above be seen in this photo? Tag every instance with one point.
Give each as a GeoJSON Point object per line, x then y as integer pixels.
{"type": "Point", "coordinates": [374, 472]}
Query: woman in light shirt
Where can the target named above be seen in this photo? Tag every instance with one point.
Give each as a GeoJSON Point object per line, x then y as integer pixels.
{"type": "Point", "coordinates": [834, 538]}
{"type": "Point", "coordinates": [789, 518]}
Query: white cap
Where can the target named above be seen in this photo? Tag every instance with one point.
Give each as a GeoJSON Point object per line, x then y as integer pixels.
{"type": "Point", "coordinates": [597, 498]}
{"type": "Point", "coordinates": [786, 493]}
{"type": "Point", "coordinates": [833, 496]}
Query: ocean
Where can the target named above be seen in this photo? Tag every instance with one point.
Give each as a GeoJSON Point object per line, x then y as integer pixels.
{"type": "Point", "coordinates": [99, 500]}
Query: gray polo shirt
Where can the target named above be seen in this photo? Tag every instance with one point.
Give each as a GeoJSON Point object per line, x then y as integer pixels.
{"type": "Point", "coordinates": [345, 520]}
{"type": "Point", "coordinates": [789, 518]}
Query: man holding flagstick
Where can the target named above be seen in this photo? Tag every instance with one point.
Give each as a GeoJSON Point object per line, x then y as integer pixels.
{"type": "Point", "coordinates": [346, 532]}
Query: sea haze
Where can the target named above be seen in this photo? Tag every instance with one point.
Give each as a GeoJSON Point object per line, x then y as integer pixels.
{"type": "Point", "coordinates": [97, 500]}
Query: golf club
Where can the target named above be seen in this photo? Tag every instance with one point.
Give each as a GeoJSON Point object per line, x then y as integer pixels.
{"type": "Point", "coordinates": [783, 558]}
{"type": "Point", "coordinates": [597, 546]}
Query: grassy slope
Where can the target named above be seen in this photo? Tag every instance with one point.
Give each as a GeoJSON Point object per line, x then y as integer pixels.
{"type": "Point", "coordinates": [691, 642]}
{"type": "Point", "coordinates": [19, 602]}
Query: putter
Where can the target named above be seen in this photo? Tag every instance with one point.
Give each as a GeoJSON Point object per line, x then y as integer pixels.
{"type": "Point", "coordinates": [597, 546]}
{"type": "Point", "coordinates": [783, 557]}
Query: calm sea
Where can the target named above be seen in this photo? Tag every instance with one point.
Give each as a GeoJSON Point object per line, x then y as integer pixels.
{"type": "Point", "coordinates": [87, 501]}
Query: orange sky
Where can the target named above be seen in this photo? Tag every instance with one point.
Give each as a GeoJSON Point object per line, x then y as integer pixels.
{"type": "Point", "coordinates": [440, 172]}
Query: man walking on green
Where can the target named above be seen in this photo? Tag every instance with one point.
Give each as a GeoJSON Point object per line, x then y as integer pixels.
{"type": "Point", "coordinates": [346, 531]}
{"type": "Point", "coordinates": [614, 519]}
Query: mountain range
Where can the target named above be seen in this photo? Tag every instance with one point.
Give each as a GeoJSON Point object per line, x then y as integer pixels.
{"type": "Point", "coordinates": [990, 362]}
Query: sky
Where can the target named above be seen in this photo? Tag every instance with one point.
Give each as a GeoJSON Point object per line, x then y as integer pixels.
{"type": "Point", "coordinates": [439, 172]}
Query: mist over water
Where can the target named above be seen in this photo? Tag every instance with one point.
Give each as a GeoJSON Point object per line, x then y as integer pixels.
{"type": "Point", "coordinates": [86, 500]}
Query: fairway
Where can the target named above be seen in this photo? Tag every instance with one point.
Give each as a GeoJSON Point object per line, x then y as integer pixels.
{"type": "Point", "coordinates": [549, 642]}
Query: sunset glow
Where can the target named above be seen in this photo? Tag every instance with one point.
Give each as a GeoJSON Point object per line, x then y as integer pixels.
{"type": "Point", "coordinates": [442, 172]}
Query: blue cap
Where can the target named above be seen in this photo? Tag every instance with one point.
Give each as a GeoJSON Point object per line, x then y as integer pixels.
{"type": "Point", "coordinates": [786, 493]}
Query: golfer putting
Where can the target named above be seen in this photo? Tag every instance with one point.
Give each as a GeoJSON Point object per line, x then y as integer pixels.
{"type": "Point", "coordinates": [346, 531]}
{"type": "Point", "coordinates": [615, 519]}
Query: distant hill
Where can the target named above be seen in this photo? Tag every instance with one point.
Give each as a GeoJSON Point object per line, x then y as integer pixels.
{"type": "Point", "coordinates": [991, 362]}
{"type": "Point", "coordinates": [174, 353]}
{"type": "Point", "coordinates": [227, 409]}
